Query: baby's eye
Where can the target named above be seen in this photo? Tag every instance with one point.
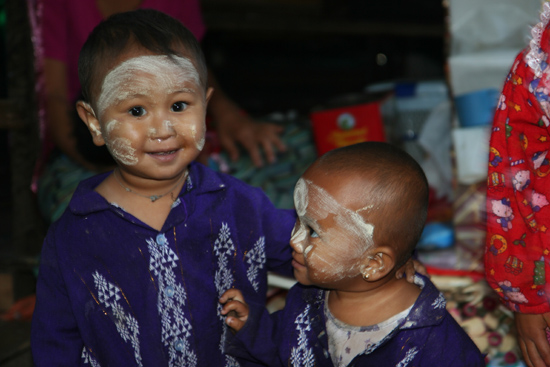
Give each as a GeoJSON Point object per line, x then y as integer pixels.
{"type": "Point", "coordinates": [312, 233]}
{"type": "Point", "coordinates": [179, 106]}
{"type": "Point", "coordinates": [137, 111]}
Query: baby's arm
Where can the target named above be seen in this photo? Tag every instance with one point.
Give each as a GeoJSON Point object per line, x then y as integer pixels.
{"type": "Point", "coordinates": [257, 339]}
{"type": "Point", "coordinates": [235, 308]}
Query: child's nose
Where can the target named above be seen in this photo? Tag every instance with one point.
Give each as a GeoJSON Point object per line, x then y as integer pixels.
{"type": "Point", "coordinates": [162, 130]}
{"type": "Point", "coordinates": [297, 238]}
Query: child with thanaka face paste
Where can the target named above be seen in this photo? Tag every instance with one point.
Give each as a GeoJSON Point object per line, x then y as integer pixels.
{"type": "Point", "coordinates": [361, 210]}
{"type": "Point", "coordinates": [131, 273]}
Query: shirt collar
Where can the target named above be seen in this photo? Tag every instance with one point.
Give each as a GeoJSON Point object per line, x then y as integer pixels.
{"type": "Point", "coordinates": [428, 310]}
{"type": "Point", "coordinates": [86, 200]}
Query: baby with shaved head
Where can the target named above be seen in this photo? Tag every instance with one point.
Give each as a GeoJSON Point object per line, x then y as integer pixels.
{"type": "Point", "coordinates": [361, 210]}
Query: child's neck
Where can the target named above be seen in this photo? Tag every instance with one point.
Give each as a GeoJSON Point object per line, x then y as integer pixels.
{"type": "Point", "coordinates": [152, 205]}
{"type": "Point", "coordinates": [372, 306]}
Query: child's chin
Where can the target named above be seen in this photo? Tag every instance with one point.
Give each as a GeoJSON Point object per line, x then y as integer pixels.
{"type": "Point", "coordinates": [301, 279]}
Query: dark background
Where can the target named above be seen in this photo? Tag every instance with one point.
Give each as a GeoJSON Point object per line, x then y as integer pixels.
{"type": "Point", "coordinates": [277, 55]}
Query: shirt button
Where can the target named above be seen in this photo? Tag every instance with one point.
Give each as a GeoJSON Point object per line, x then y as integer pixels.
{"type": "Point", "coordinates": [169, 291]}
{"type": "Point", "coordinates": [161, 240]}
{"type": "Point", "coordinates": [178, 345]}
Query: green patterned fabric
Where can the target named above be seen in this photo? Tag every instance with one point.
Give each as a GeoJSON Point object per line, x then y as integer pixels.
{"type": "Point", "coordinates": [57, 184]}
{"type": "Point", "coordinates": [277, 179]}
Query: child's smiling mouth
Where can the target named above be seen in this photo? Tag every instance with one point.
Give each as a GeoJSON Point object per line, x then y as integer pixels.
{"type": "Point", "coordinates": [164, 155]}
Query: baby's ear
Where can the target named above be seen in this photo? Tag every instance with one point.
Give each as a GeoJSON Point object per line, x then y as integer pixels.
{"type": "Point", "coordinates": [87, 114]}
{"type": "Point", "coordinates": [209, 93]}
{"type": "Point", "coordinates": [378, 263]}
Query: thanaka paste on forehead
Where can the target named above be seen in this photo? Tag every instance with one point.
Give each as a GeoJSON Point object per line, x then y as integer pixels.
{"type": "Point", "coordinates": [300, 197]}
{"type": "Point", "coordinates": [343, 216]}
{"type": "Point", "coordinates": [169, 73]}
{"type": "Point", "coordinates": [300, 203]}
{"type": "Point", "coordinates": [368, 207]}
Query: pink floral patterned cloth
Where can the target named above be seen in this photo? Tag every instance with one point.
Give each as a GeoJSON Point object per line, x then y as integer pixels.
{"type": "Point", "coordinates": [518, 215]}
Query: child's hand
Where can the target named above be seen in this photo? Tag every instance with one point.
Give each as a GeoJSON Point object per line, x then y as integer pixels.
{"type": "Point", "coordinates": [235, 308]}
{"type": "Point", "coordinates": [410, 268]}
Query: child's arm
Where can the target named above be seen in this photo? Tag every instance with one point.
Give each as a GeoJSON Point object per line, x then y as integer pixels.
{"type": "Point", "coordinates": [55, 338]}
{"type": "Point", "coordinates": [257, 339]}
{"type": "Point", "coordinates": [532, 338]}
{"type": "Point", "coordinates": [236, 128]}
{"type": "Point", "coordinates": [255, 336]}
{"type": "Point", "coordinates": [235, 308]}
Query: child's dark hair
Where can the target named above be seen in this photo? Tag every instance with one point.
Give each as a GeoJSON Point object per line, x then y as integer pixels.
{"type": "Point", "coordinates": [397, 187]}
{"type": "Point", "coordinates": [148, 28]}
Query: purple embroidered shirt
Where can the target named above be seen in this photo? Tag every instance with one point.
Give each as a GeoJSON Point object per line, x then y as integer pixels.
{"type": "Point", "coordinates": [112, 291]}
{"type": "Point", "coordinates": [296, 335]}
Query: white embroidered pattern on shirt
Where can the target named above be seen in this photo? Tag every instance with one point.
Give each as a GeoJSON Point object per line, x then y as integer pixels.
{"type": "Point", "coordinates": [302, 355]}
{"type": "Point", "coordinates": [224, 249]}
{"type": "Point", "coordinates": [176, 203]}
{"type": "Point", "coordinates": [176, 328]}
{"type": "Point", "coordinates": [255, 258]}
{"type": "Point", "coordinates": [88, 359]}
{"type": "Point", "coordinates": [127, 326]}
{"type": "Point", "coordinates": [231, 362]}
{"type": "Point", "coordinates": [439, 302]}
{"type": "Point", "coordinates": [409, 356]}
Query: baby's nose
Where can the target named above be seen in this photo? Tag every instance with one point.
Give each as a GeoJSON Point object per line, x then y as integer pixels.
{"type": "Point", "coordinates": [163, 129]}
{"type": "Point", "coordinates": [297, 238]}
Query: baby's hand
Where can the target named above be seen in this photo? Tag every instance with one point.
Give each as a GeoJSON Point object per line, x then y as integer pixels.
{"type": "Point", "coordinates": [235, 308]}
{"type": "Point", "coordinates": [410, 268]}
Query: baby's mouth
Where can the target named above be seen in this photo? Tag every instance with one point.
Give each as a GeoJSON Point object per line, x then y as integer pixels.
{"type": "Point", "coordinates": [294, 257]}
{"type": "Point", "coordinates": [164, 153]}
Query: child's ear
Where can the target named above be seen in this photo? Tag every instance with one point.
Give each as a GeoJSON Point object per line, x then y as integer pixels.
{"type": "Point", "coordinates": [209, 93]}
{"type": "Point", "coordinates": [378, 263]}
{"type": "Point", "coordinates": [87, 114]}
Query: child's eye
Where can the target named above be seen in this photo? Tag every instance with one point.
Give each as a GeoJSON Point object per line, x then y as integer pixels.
{"type": "Point", "coordinates": [179, 106]}
{"type": "Point", "coordinates": [137, 111]}
{"type": "Point", "coordinates": [312, 233]}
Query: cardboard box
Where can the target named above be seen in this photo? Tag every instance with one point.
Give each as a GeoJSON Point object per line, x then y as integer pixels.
{"type": "Point", "coordinates": [343, 126]}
